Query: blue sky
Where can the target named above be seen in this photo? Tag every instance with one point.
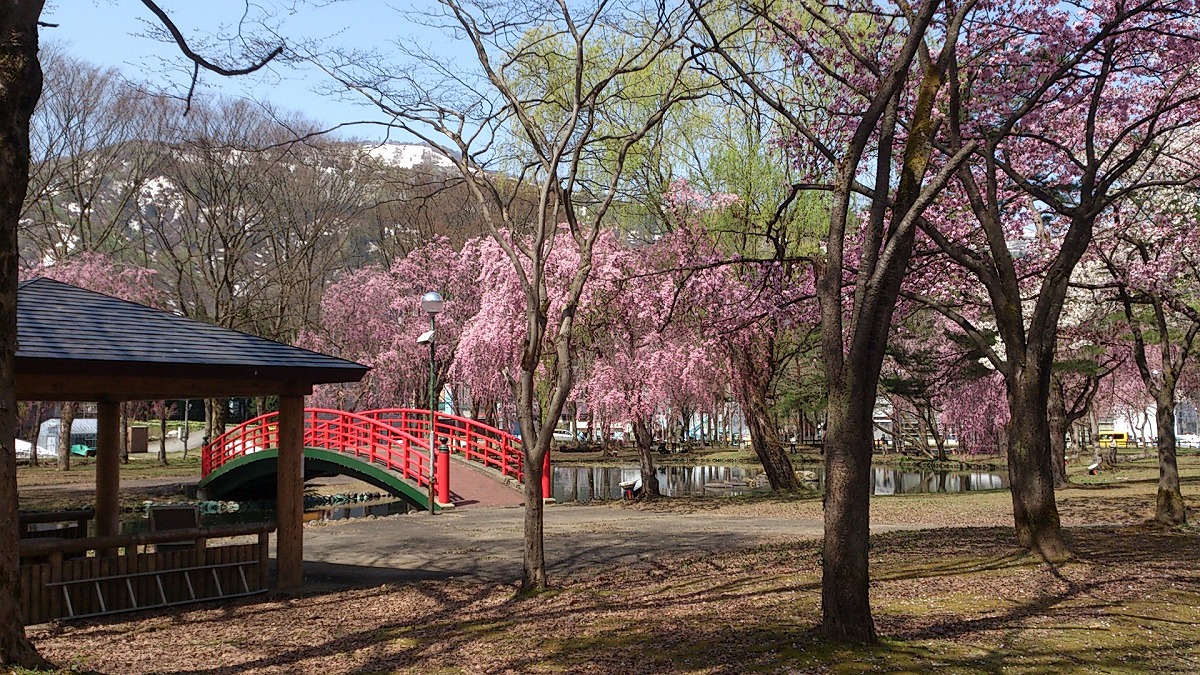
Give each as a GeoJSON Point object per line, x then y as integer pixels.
{"type": "Point", "coordinates": [106, 33]}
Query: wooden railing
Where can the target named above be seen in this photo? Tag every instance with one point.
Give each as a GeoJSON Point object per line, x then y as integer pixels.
{"type": "Point", "coordinates": [78, 578]}
{"type": "Point", "coordinates": [71, 524]}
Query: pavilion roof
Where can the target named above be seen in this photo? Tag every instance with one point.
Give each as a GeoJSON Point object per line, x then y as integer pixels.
{"type": "Point", "coordinates": [75, 344]}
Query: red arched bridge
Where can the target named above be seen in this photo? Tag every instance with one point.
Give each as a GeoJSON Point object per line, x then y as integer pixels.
{"type": "Point", "coordinates": [388, 448]}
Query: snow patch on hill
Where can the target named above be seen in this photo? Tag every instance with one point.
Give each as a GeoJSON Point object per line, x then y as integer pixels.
{"type": "Point", "coordinates": [408, 155]}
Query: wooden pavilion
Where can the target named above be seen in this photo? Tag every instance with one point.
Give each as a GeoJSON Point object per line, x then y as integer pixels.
{"type": "Point", "coordinates": [77, 345]}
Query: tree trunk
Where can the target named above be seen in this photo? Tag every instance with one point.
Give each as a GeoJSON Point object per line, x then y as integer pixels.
{"type": "Point", "coordinates": [162, 433]}
{"type": "Point", "coordinates": [185, 432]}
{"type": "Point", "coordinates": [1030, 475]}
{"type": "Point", "coordinates": [1169, 507]}
{"type": "Point", "coordinates": [217, 411]}
{"type": "Point", "coordinates": [845, 599]}
{"type": "Point", "coordinates": [124, 439]}
{"type": "Point", "coordinates": [66, 418]}
{"type": "Point", "coordinates": [1094, 435]}
{"type": "Point", "coordinates": [208, 421]}
{"type": "Point", "coordinates": [20, 87]}
{"type": "Point", "coordinates": [775, 461]}
{"type": "Point", "coordinates": [1056, 418]}
{"type": "Point", "coordinates": [534, 576]}
{"type": "Point", "coordinates": [645, 445]}
{"type": "Point", "coordinates": [37, 433]}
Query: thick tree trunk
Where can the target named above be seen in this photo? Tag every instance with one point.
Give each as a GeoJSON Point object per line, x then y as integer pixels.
{"type": "Point", "coordinates": [20, 87]}
{"type": "Point", "coordinates": [845, 599]}
{"type": "Point", "coordinates": [645, 445]}
{"type": "Point", "coordinates": [1056, 415]}
{"type": "Point", "coordinates": [534, 575]}
{"type": "Point", "coordinates": [66, 418]}
{"type": "Point", "coordinates": [216, 412]}
{"type": "Point", "coordinates": [1169, 507]}
{"type": "Point", "coordinates": [1030, 475]}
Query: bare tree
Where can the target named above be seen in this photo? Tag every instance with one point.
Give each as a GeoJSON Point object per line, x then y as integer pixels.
{"type": "Point", "coordinates": [88, 167]}
{"type": "Point", "coordinates": [538, 113]}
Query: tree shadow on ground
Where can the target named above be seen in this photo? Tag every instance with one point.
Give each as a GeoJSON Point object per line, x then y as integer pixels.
{"type": "Point", "coordinates": [962, 599]}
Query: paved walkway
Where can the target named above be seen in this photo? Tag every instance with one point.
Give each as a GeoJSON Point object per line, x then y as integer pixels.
{"type": "Point", "coordinates": [487, 543]}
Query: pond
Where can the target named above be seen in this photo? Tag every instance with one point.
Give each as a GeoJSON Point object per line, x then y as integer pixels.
{"type": "Point", "coordinates": [588, 483]}
{"type": "Point", "coordinates": [260, 511]}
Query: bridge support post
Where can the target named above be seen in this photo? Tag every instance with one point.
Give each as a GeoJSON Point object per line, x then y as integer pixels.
{"type": "Point", "coordinates": [443, 475]}
{"type": "Point", "coordinates": [547, 478]}
{"type": "Point", "coordinates": [289, 508]}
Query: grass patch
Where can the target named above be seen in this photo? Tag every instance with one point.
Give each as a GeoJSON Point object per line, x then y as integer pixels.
{"type": "Point", "coordinates": [84, 470]}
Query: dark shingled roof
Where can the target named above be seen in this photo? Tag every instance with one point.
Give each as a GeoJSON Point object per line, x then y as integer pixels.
{"type": "Point", "coordinates": [66, 330]}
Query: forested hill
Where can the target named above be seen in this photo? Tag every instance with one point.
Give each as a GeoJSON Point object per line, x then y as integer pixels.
{"type": "Point", "coordinates": [243, 225]}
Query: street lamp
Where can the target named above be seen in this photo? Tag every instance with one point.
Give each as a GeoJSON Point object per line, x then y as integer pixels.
{"type": "Point", "coordinates": [431, 304]}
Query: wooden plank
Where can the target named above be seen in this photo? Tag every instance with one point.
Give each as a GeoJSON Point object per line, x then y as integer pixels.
{"type": "Point", "coordinates": [262, 554]}
{"type": "Point", "coordinates": [32, 386]}
{"type": "Point", "coordinates": [26, 593]}
{"type": "Point", "coordinates": [55, 605]}
{"type": "Point", "coordinates": [42, 610]}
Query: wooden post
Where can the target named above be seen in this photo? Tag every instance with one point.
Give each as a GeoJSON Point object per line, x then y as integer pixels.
{"type": "Point", "coordinates": [263, 555]}
{"type": "Point", "coordinates": [443, 475]}
{"type": "Point", "coordinates": [289, 509]}
{"type": "Point", "coordinates": [108, 468]}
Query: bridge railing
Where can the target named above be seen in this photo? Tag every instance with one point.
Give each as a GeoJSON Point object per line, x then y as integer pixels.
{"type": "Point", "coordinates": [374, 441]}
{"type": "Point", "coordinates": [470, 438]}
{"type": "Point", "coordinates": [371, 440]}
{"type": "Point", "coordinates": [252, 436]}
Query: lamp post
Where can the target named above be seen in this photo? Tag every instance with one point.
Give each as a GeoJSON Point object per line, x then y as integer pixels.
{"type": "Point", "coordinates": [431, 304]}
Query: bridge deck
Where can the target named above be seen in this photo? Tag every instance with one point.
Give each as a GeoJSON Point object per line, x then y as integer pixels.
{"type": "Point", "coordinates": [472, 485]}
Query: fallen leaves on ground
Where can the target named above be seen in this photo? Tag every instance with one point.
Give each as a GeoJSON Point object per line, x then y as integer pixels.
{"type": "Point", "coordinates": [957, 599]}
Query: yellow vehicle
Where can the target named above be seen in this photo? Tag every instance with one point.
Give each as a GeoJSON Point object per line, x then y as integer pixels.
{"type": "Point", "coordinates": [1113, 439]}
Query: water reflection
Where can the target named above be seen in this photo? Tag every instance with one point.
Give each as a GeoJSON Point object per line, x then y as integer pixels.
{"type": "Point", "coordinates": [594, 483]}
{"type": "Point", "coordinates": [585, 484]}
{"type": "Point", "coordinates": [262, 511]}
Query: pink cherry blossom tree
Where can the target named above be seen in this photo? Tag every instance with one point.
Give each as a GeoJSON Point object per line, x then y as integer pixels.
{"type": "Point", "coordinates": [752, 307]}
{"type": "Point", "coordinates": [373, 316]}
{"type": "Point", "coordinates": [646, 352]}
{"type": "Point", "coordinates": [1064, 107]}
{"type": "Point", "coordinates": [879, 69]}
{"type": "Point", "coordinates": [1149, 250]}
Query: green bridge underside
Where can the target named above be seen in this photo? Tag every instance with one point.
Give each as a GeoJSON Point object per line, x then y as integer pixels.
{"type": "Point", "coordinates": [253, 476]}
